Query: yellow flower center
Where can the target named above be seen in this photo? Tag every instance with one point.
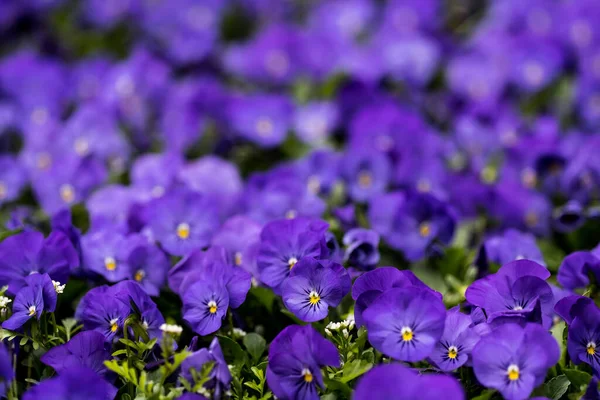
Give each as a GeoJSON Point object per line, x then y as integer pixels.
{"type": "Point", "coordinates": [308, 376]}
{"type": "Point", "coordinates": [44, 160]}
{"type": "Point", "coordinates": [591, 348]}
{"type": "Point", "coordinates": [212, 307]}
{"type": "Point", "coordinates": [452, 352]}
{"type": "Point", "coordinates": [183, 231]}
{"type": "Point", "coordinates": [291, 214]}
{"type": "Point", "coordinates": [238, 258]}
{"type": "Point", "coordinates": [314, 298]}
{"type": "Point", "coordinates": [110, 263]}
{"type": "Point", "coordinates": [407, 334]}
{"type": "Point", "coordinates": [81, 146]}
{"type": "Point", "coordinates": [139, 275]}
{"type": "Point", "coordinates": [292, 261]}
{"type": "Point", "coordinates": [531, 219]}
{"type": "Point", "coordinates": [67, 193]}
{"type": "Point", "coordinates": [423, 185]}
{"type": "Point", "coordinates": [425, 229]}
{"type": "Point", "coordinates": [365, 179]}
{"type": "Point", "coordinates": [513, 372]}
{"type": "Point", "coordinates": [113, 325]}
{"type": "Point", "coordinates": [264, 127]}
{"type": "Point", "coordinates": [32, 311]}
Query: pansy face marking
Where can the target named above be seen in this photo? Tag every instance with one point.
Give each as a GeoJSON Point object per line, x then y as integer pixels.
{"type": "Point", "coordinates": [365, 179]}
{"type": "Point", "coordinates": [113, 325]}
{"type": "Point", "coordinates": [513, 372]}
{"type": "Point", "coordinates": [264, 127]}
{"type": "Point", "coordinates": [591, 348]}
{"type": "Point", "coordinates": [32, 311]}
{"type": "Point", "coordinates": [425, 229]}
{"type": "Point", "coordinates": [407, 334]}
{"type": "Point", "coordinates": [139, 275]}
{"type": "Point", "coordinates": [314, 298]}
{"type": "Point", "coordinates": [292, 261]}
{"type": "Point", "coordinates": [452, 352]}
{"type": "Point", "coordinates": [67, 193]}
{"type": "Point", "coordinates": [212, 306]}
{"type": "Point", "coordinates": [110, 263]}
{"type": "Point", "coordinates": [183, 231]}
{"type": "Point", "coordinates": [307, 375]}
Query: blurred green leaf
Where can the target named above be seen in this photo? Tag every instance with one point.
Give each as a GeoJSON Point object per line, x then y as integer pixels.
{"type": "Point", "coordinates": [579, 379]}
{"type": "Point", "coordinates": [557, 387]}
{"type": "Point", "coordinates": [255, 344]}
{"type": "Point", "coordinates": [232, 351]}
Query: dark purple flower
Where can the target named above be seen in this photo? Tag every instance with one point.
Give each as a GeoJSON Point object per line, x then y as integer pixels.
{"type": "Point", "coordinates": [7, 374]}
{"type": "Point", "coordinates": [219, 377]}
{"type": "Point", "coordinates": [583, 342]}
{"type": "Point", "coordinates": [183, 221]}
{"type": "Point", "coordinates": [315, 122]}
{"type": "Point", "coordinates": [12, 178]}
{"type": "Point", "coordinates": [319, 170]}
{"type": "Point", "coordinates": [370, 285]}
{"type": "Point", "coordinates": [86, 349]}
{"type": "Point", "coordinates": [514, 360]}
{"type": "Point", "coordinates": [34, 298]}
{"type": "Point", "coordinates": [509, 246]}
{"type": "Point", "coordinates": [366, 173]}
{"type": "Point", "coordinates": [101, 311]}
{"type": "Point", "coordinates": [153, 175]}
{"type": "Point", "coordinates": [73, 383]}
{"type": "Point", "coordinates": [391, 381]}
{"type": "Point", "coordinates": [454, 348]}
{"type": "Point", "coordinates": [518, 290]}
{"type": "Point", "coordinates": [239, 236]}
{"type": "Point", "coordinates": [313, 286]}
{"type": "Point", "coordinates": [592, 392]}
{"type": "Point", "coordinates": [569, 217]}
{"type": "Point", "coordinates": [29, 252]}
{"type": "Point", "coordinates": [281, 194]}
{"type": "Point", "coordinates": [362, 248]}
{"type": "Point", "coordinates": [570, 306]}
{"type": "Point", "coordinates": [296, 357]}
{"type": "Point", "coordinates": [107, 253]}
{"type": "Point", "coordinates": [205, 304]}
{"type": "Point", "coordinates": [577, 268]}
{"type": "Point", "coordinates": [263, 119]}
{"type": "Point", "coordinates": [133, 295]}
{"type": "Point", "coordinates": [412, 222]}
{"type": "Point", "coordinates": [284, 243]}
{"type": "Point", "coordinates": [149, 266]}
{"type": "Point", "coordinates": [217, 179]}
{"type": "Point", "coordinates": [213, 265]}
{"type": "Point", "coordinates": [405, 323]}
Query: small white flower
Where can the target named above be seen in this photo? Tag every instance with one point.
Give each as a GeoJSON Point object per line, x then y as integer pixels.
{"type": "Point", "coordinates": [237, 332]}
{"type": "Point", "coordinates": [327, 332]}
{"type": "Point", "coordinates": [345, 333]}
{"type": "Point", "coordinates": [58, 287]}
{"type": "Point", "coordinates": [171, 329]}
{"type": "Point", "coordinates": [4, 301]}
{"type": "Point", "coordinates": [204, 392]}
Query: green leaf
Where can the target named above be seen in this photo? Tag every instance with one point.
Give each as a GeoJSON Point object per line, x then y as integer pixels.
{"type": "Point", "coordinates": [485, 395]}
{"type": "Point", "coordinates": [579, 379]}
{"type": "Point", "coordinates": [431, 278]}
{"type": "Point", "coordinates": [329, 396]}
{"type": "Point", "coordinates": [232, 351]}
{"type": "Point", "coordinates": [265, 296]}
{"type": "Point", "coordinates": [454, 262]}
{"type": "Point", "coordinates": [557, 332]}
{"type": "Point", "coordinates": [339, 386]}
{"type": "Point", "coordinates": [255, 344]}
{"type": "Point", "coordinates": [557, 387]}
{"type": "Point", "coordinates": [354, 369]}
{"type": "Point", "coordinates": [23, 341]}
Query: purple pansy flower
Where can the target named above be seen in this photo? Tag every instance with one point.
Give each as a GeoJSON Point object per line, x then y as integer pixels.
{"type": "Point", "coordinates": [296, 357]}
{"type": "Point", "coordinates": [183, 221]}
{"type": "Point", "coordinates": [29, 252]}
{"type": "Point", "coordinates": [369, 286]}
{"type": "Point", "coordinates": [7, 374]}
{"type": "Point", "coordinates": [362, 248]}
{"type": "Point", "coordinates": [576, 268]}
{"type": "Point", "coordinates": [132, 294]}
{"type": "Point", "coordinates": [12, 178]}
{"type": "Point", "coordinates": [454, 348]}
{"type": "Point", "coordinates": [87, 349]}
{"type": "Point", "coordinates": [313, 286]}
{"type": "Point", "coordinates": [366, 173]}
{"type": "Point", "coordinates": [284, 243]}
{"type": "Point", "coordinates": [405, 323]}
{"type": "Point", "coordinates": [34, 298]}
{"type": "Point", "coordinates": [412, 222]}
{"type": "Point", "coordinates": [106, 253]}
{"type": "Point", "coordinates": [219, 378]}
{"type": "Point", "coordinates": [263, 119]}
{"type": "Point", "coordinates": [239, 236]}
{"type": "Point", "coordinates": [391, 381]}
{"type": "Point", "coordinates": [518, 290]}
{"type": "Point", "coordinates": [583, 342]}
{"type": "Point", "coordinates": [101, 311]}
{"type": "Point", "coordinates": [514, 360]}
{"type": "Point", "coordinates": [73, 383]}
{"type": "Point", "coordinates": [509, 246]}
{"type": "Point", "coordinates": [205, 304]}
{"type": "Point", "coordinates": [153, 175]}
{"type": "Point", "coordinates": [148, 266]}
{"type": "Point", "coordinates": [314, 122]}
